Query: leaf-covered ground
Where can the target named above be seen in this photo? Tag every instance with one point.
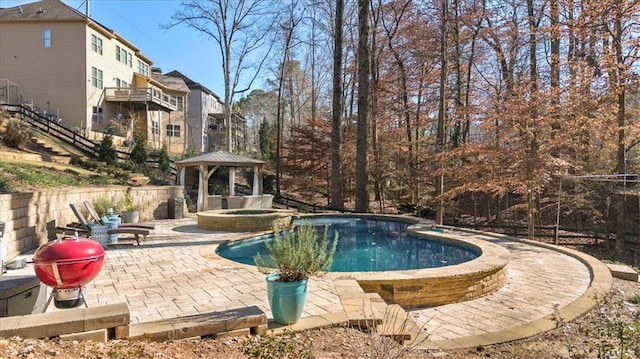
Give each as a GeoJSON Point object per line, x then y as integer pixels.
{"type": "Point", "coordinates": [608, 331]}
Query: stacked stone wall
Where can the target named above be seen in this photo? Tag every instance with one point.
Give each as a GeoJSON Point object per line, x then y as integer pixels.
{"type": "Point", "coordinates": [31, 218]}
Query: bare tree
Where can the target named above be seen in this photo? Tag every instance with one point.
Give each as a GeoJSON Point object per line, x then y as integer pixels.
{"type": "Point", "coordinates": [288, 27]}
{"type": "Point", "coordinates": [442, 108]}
{"type": "Point", "coordinates": [362, 195]}
{"type": "Point", "coordinates": [241, 28]}
{"type": "Point", "coordinates": [337, 198]}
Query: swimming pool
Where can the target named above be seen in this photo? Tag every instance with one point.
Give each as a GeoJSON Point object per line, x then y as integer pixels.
{"type": "Point", "coordinates": [423, 286]}
{"type": "Point", "coordinates": [366, 244]}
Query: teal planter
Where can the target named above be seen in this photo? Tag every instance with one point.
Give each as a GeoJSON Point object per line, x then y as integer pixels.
{"type": "Point", "coordinates": [286, 299]}
{"type": "Point", "coordinates": [112, 221]}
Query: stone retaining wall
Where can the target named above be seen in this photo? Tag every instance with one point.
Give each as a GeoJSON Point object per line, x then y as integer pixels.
{"type": "Point", "coordinates": [30, 218]}
{"type": "Point", "coordinates": [420, 292]}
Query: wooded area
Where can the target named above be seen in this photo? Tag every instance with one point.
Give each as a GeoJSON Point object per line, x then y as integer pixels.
{"type": "Point", "coordinates": [494, 101]}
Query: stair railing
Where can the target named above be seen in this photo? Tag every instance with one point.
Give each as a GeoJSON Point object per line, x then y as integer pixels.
{"type": "Point", "coordinates": [58, 130]}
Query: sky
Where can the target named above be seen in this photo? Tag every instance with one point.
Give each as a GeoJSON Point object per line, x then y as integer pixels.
{"type": "Point", "coordinates": [139, 21]}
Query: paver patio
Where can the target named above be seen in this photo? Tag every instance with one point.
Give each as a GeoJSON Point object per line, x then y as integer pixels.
{"type": "Point", "coordinates": [176, 273]}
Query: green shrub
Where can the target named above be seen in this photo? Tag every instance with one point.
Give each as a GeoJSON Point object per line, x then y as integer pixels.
{"type": "Point", "coordinates": [299, 254]}
{"type": "Point", "coordinates": [98, 180]}
{"type": "Point", "coordinates": [164, 163]}
{"type": "Point", "coordinates": [17, 133]}
{"type": "Point", "coordinates": [103, 204]}
{"type": "Point", "coordinates": [5, 185]}
{"type": "Point", "coordinates": [128, 202]}
{"type": "Point", "coordinates": [634, 299]}
{"type": "Point", "coordinates": [106, 151]}
{"type": "Point", "coordinates": [139, 153]}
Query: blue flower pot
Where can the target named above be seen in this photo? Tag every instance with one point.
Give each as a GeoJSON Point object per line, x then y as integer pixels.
{"type": "Point", "coordinates": [286, 299]}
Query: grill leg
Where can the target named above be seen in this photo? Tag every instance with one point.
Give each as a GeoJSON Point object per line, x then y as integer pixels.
{"type": "Point", "coordinates": [48, 301]}
{"type": "Point", "coordinates": [53, 291]}
{"type": "Point", "coordinates": [84, 300]}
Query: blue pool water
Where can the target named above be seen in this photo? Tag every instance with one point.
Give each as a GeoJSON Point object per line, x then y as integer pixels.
{"type": "Point", "coordinates": [366, 245]}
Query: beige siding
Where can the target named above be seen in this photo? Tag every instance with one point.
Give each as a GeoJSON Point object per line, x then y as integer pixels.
{"type": "Point", "coordinates": [60, 77]}
{"type": "Point", "coordinates": [175, 118]}
{"type": "Point", "coordinates": [112, 70]}
{"type": "Point", "coordinates": [52, 74]}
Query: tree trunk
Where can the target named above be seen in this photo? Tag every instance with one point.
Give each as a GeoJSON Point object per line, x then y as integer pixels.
{"type": "Point", "coordinates": [555, 52]}
{"type": "Point", "coordinates": [532, 151]}
{"type": "Point", "coordinates": [621, 166]}
{"type": "Point", "coordinates": [362, 129]}
{"type": "Point", "coordinates": [442, 111]}
{"type": "Point", "coordinates": [337, 196]}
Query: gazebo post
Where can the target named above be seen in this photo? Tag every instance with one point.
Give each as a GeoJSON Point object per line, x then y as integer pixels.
{"type": "Point", "coordinates": [181, 176]}
{"type": "Point", "coordinates": [202, 181]}
{"type": "Point", "coordinates": [232, 181]}
{"type": "Point", "coordinates": [256, 182]}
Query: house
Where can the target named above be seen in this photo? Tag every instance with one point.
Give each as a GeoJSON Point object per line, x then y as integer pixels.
{"type": "Point", "coordinates": [65, 63]}
{"type": "Point", "coordinates": [207, 128]}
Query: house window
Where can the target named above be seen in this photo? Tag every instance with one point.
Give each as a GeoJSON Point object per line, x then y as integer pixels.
{"type": "Point", "coordinates": [96, 77]}
{"type": "Point", "coordinates": [180, 103]}
{"type": "Point", "coordinates": [96, 117]}
{"type": "Point", "coordinates": [121, 84]}
{"type": "Point", "coordinates": [173, 130]}
{"type": "Point", "coordinates": [143, 68]}
{"type": "Point", "coordinates": [46, 38]}
{"type": "Point", "coordinates": [124, 56]}
{"type": "Point", "coordinates": [155, 128]}
{"type": "Point", "coordinates": [96, 44]}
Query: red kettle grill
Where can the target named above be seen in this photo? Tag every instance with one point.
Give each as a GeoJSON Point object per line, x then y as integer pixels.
{"type": "Point", "coordinates": [67, 265]}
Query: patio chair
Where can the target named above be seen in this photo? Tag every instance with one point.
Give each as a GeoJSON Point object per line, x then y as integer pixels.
{"type": "Point", "coordinates": [84, 226]}
{"type": "Point", "coordinates": [94, 215]}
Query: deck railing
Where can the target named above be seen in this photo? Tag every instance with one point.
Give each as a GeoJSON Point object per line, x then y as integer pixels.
{"type": "Point", "coordinates": [147, 94]}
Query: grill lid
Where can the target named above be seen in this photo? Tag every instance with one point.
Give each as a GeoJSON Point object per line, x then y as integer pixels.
{"type": "Point", "coordinates": [68, 263]}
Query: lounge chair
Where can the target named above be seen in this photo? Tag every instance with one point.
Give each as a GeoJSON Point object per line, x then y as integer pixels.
{"type": "Point", "coordinates": [94, 215]}
{"type": "Point", "coordinates": [84, 226]}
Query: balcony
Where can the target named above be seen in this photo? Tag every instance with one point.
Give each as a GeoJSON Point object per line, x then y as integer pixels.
{"type": "Point", "coordinates": [150, 96]}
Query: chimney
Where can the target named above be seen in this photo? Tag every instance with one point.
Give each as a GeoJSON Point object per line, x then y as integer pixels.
{"type": "Point", "coordinates": [156, 70]}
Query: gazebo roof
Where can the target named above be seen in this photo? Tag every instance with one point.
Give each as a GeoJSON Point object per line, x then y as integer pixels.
{"type": "Point", "coordinates": [220, 158]}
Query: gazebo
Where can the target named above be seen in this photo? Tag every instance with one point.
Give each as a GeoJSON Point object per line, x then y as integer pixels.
{"type": "Point", "coordinates": [216, 160]}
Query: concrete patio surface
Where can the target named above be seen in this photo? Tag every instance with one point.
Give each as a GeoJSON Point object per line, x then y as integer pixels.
{"type": "Point", "coordinates": [176, 273]}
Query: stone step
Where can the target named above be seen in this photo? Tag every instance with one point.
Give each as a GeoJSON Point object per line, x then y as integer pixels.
{"type": "Point", "coordinates": [52, 324]}
{"type": "Point", "coordinates": [21, 156]}
{"type": "Point", "coordinates": [54, 150]}
{"type": "Point", "coordinates": [622, 271]}
{"type": "Point", "coordinates": [203, 325]}
{"type": "Point", "coordinates": [139, 179]}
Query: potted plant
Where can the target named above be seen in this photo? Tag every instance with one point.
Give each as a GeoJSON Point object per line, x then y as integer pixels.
{"type": "Point", "coordinates": [131, 213]}
{"type": "Point", "coordinates": [292, 257]}
{"type": "Point", "coordinates": [107, 207]}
